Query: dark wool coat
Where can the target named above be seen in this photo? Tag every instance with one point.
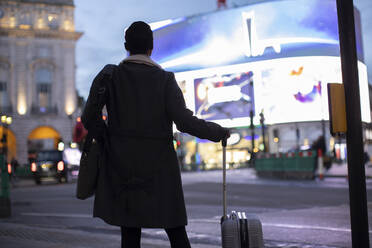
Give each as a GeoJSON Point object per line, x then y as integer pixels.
{"type": "Point", "coordinates": [140, 182]}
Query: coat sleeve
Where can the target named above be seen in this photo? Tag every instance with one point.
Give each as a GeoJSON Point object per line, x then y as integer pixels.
{"type": "Point", "coordinates": [184, 118]}
{"type": "Point", "coordinates": [92, 114]}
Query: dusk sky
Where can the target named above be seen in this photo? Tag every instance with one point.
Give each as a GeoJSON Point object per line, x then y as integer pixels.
{"type": "Point", "coordinates": [103, 24]}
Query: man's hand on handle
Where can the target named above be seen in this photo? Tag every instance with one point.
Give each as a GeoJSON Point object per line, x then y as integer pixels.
{"type": "Point", "coordinates": [227, 135]}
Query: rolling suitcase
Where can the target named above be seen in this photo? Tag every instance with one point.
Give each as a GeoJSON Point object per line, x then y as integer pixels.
{"type": "Point", "coordinates": [238, 230]}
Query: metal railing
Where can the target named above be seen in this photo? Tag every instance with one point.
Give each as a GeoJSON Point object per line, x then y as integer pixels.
{"type": "Point", "coordinates": [37, 110]}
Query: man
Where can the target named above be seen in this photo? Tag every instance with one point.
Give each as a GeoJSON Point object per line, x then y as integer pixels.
{"type": "Point", "coordinates": [143, 187]}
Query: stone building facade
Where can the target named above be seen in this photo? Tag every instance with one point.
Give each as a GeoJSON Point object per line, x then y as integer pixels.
{"type": "Point", "coordinates": [37, 72]}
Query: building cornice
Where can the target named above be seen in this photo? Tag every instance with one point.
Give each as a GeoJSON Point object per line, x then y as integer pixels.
{"type": "Point", "coordinates": [48, 2]}
{"type": "Point", "coordinates": [46, 34]}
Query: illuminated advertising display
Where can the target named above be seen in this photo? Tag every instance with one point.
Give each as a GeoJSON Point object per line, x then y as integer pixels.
{"type": "Point", "coordinates": [295, 89]}
{"type": "Point", "coordinates": [224, 97]}
{"type": "Point", "coordinates": [286, 90]}
{"type": "Point", "coordinates": [261, 31]}
{"type": "Point", "coordinates": [272, 56]}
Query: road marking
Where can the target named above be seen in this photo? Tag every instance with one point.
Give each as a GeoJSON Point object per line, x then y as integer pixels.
{"type": "Point", "coordinates": [308, 227]}
{"type": "Point", "coordinates": [59, 215]}
{"type": "Point", "coordinates": [163, 233]}
{"type": "Point", "coordinates": [335, 229]}
{"type": "Point", "coordinates": [216, 221]}
{"type": "Point", "coordinates": [204, 220]}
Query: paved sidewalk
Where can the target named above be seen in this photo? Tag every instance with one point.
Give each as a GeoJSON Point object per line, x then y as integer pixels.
{"type": "Point", "coordinates": [340, 170]}
{"type": "Point", "coordinates": [24, 236]}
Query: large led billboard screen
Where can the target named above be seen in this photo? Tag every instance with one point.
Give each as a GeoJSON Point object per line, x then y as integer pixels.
{"type": "Point", "coordinates": [286, 90]}
{"type": "Point", "coordinates": [273, 56]}
{"type": "Point", "coordinates": [260, 31]}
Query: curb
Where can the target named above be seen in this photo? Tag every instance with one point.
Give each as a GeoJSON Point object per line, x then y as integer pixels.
{"type": "Point", "coordinates": [342, 176]}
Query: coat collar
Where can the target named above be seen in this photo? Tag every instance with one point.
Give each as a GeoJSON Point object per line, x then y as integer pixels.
{"type": "Point", "coordinates": [141, 59]}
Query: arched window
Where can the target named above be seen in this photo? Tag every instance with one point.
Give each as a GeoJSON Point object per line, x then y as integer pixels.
{"type": "Point", "coordinates": [53, 21]}
{"type": "Point", "coordinates": [4, 91]}
{"type": "Point", "coordinates": [25, 18]}
{"type": "Point", "coordinates": [43, 80]}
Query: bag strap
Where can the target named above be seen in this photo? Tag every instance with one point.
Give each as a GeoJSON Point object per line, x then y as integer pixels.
{"type": "Point", "coordinates": [107, 72]}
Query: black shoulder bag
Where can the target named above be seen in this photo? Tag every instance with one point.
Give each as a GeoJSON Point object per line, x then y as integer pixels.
{"type": "Point", "coordinates": [92, 152]}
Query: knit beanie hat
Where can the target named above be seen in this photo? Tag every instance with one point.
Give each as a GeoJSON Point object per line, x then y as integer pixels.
{"type": "Point", "coordinates": [138, 38]}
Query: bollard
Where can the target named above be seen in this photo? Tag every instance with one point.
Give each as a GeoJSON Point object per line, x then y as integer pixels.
{"type": "Point", "coordinates": [320, 165]}
{"type": "Point", "coordinates": [5, 209]}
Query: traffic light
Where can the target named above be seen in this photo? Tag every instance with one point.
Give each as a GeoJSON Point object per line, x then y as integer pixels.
{"type": "Point", "coordinates": [262, 121]}
{"type": "Point", "coordinates": [297, 133]}
{"type": "Point", "coordinates": [262, 118]}
{"type": "Point", "coordinates": [177, 138]}
{"type": "Point", "coordinates": [276, 135]}
{"type": "Point", "coordinates": [176, 143]}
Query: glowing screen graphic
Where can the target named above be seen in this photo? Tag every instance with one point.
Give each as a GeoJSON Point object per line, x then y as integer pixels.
{"type": "Point", "coordinates": [227, 96]}
{"type": "Point", "coordinates": [295, 89]}
{"type": "Point", "coordinates": [310, 97]}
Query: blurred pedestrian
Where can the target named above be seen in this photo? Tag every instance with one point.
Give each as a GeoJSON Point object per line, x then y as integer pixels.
{"type": "Point", "coordinates": [319, 145]}
{"type": "Point", "coordinates": [14, 164]}
{"type": "Point", "coordinates": [79, 133]}
{"type": "Point", "coordinates": [143, 173]}
{"type": "Point", "coordinates": [366, 158]}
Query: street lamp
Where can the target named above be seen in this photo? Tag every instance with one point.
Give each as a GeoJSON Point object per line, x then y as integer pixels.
{"type": "Point", "coordinates": [9, 120]}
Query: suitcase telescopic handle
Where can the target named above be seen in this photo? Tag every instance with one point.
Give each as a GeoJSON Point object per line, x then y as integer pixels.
{"type": "Point", "coordinates": [224, 142]}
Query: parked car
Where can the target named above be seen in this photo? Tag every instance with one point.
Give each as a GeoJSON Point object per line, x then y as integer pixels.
{"type": "Point", "coordinates": [55, 164]}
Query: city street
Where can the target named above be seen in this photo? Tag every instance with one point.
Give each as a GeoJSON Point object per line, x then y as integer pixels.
{"type": "Point", "coordinates": [146, 85]}
{"type": "Point", "coordinates": [293, 213]}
